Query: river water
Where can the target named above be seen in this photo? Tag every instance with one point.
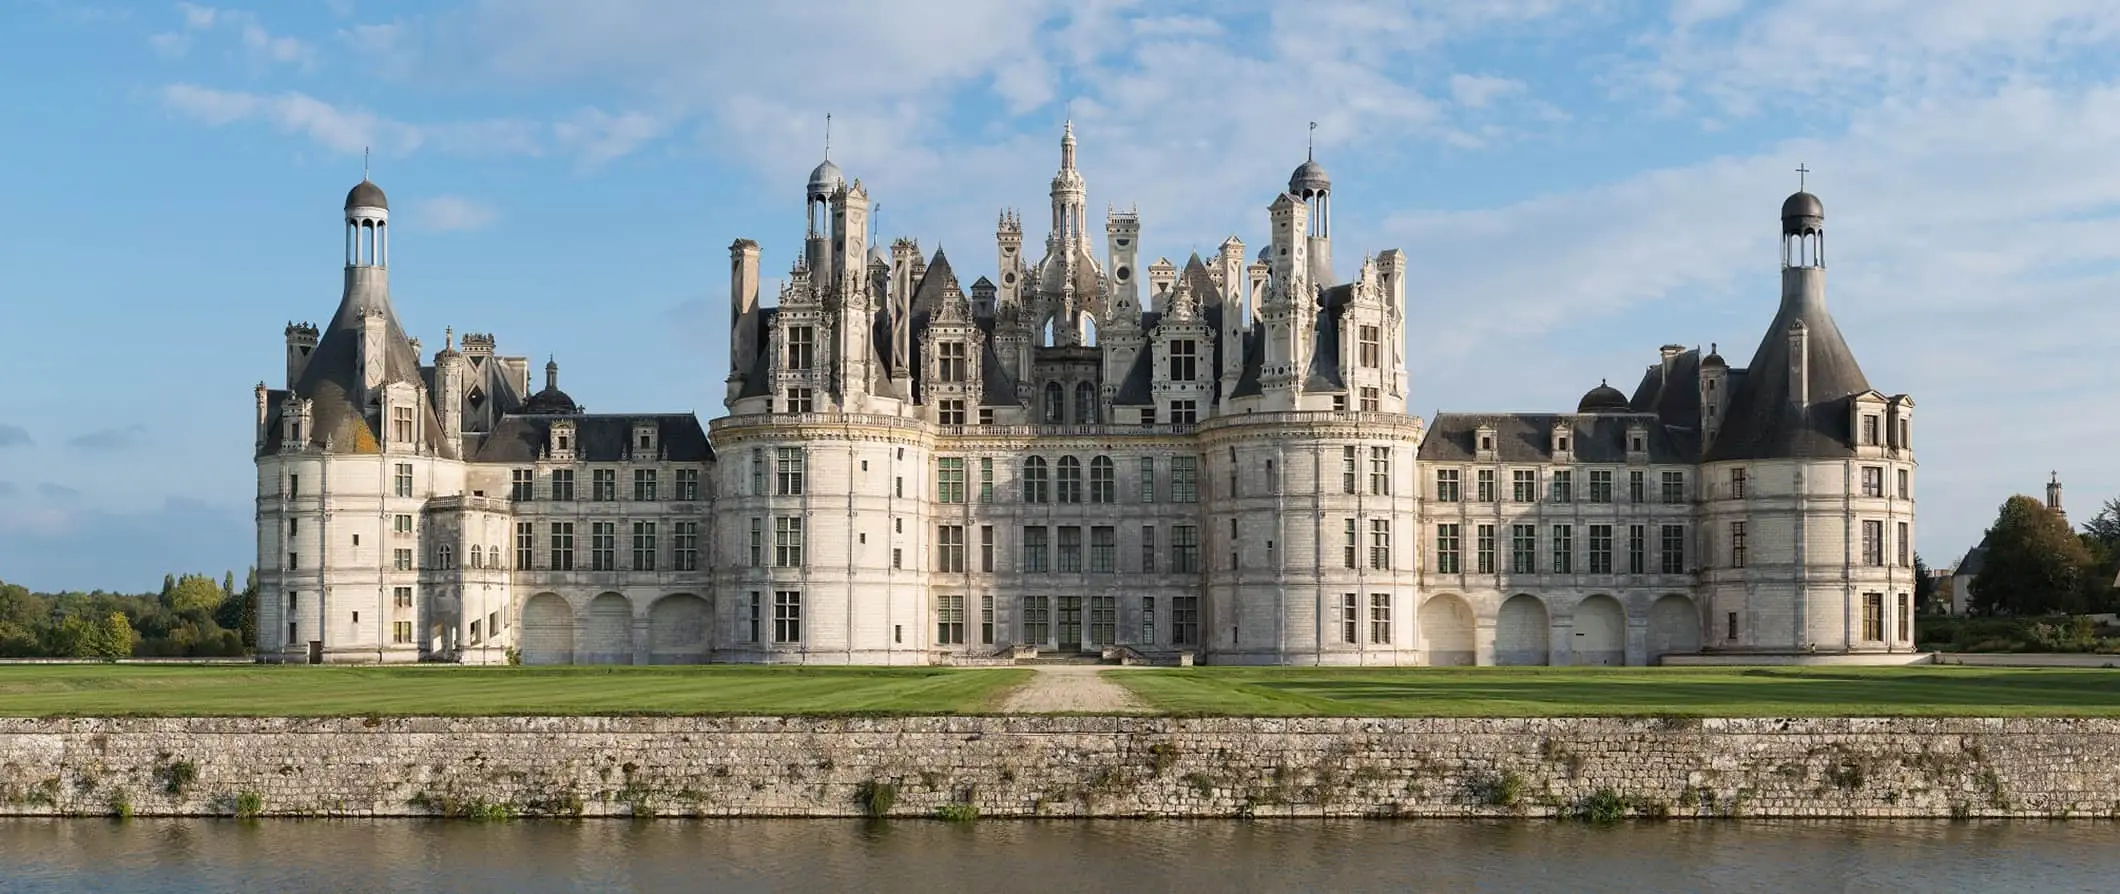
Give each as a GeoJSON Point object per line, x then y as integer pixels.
{"type": "Point", "coordinates": [1018, 856]}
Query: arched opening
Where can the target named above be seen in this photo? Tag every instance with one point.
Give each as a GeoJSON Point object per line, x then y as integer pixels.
{"type": "Point", "coordinates": [1521, 632]}
{"type": "Point", "coordinates": [678, 626]}
{"type": "Point", "coordinates": [1674, 627]}
{"type": "Point", "coordinates": [607, 633]}
{"type": "Point", "coordinates": [1600, 632]}
{"type": "Point", "coordinates": [1070, 479]}
{"type": "Point", "coordinates": [1055, 403]}
{"type": "Point", "coordinates": [1089, 330]}
{"type": "Point", "coordinates": [1446, 629]}
{"type": "Point", "coordinates": [547, 630]}
{"type": "Point", "coordinates": [1085, 404]}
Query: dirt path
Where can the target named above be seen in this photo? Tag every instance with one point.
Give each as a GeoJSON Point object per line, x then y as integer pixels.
{"type": "Point", "coordinates": [1072, 689]}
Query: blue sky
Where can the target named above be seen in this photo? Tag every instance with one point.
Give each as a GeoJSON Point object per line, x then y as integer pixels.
{"type": "Point", "coordinates": [1575, 183]}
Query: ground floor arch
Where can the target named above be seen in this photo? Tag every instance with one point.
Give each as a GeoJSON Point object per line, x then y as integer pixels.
{"type": "Point", "coordinates": [678, 629]}
{"type": "Point", "coordinates": [547, 630]}
{"type": "Point", "coordinates": [1600, 632]}
{"type": "Point", "coordinates": [1521, 632]}
{"type": "Point", "coordinates": [1674, 626]}
{"type": "Point", "coordinates": [606, 632]}
{"type": "Point", "coordinates": [1446, 630]}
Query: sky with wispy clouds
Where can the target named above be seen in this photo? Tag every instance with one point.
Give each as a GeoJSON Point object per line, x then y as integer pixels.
{"type": "Point", "coordinates": [1574, 183]}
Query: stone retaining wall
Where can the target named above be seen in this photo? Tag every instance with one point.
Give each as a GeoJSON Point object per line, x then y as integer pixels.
{"type": "Point", "coordinates": [1060, 766]}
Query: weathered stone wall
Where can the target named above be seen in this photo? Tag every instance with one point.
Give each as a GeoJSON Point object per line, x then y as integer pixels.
{"type": "Point", "coordinates": [1060, 766]}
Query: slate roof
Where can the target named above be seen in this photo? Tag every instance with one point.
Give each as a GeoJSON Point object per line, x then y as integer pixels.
{"type": "Point", "coordinates": [332, 380]}
{"type": "Point", "coordinates": [754, 382]}
{"type": "Point", "coordinates": [1138, 388]}
{"type": "Point", "coordinates": [1324, 374]}
{"type": "Point", "coordinates": [1760, 422]}
{"type": "Point", "coordinates": [1525, 437]}
{"type": "Point", "coordinates": [600, 437]}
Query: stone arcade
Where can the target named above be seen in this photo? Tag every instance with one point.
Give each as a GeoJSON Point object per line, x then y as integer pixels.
{"type": "Point", "coordinates": [1058, 458]}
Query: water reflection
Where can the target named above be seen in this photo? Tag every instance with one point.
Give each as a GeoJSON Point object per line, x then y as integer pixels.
{"type": "Point", "coordinates": [788, 855]}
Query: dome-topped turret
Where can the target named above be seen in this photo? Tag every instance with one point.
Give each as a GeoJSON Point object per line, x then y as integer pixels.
{"type": "Point", "coordinates": [1309, 179]}
{"type": "Point", "coordinates": [1603, 399]}
{"type": "Point", "coordinates": [826, 179]}
{"type": "Point", "coordinates": [1802, 212]}
{"type": "Point", "coordinates": [366, 195]}
{"type": "Point", "coordinates": [1714, 358]}
{"type": "Point", "coordinates": [551, 401]}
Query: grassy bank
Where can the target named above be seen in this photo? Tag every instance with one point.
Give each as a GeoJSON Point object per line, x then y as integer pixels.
{"type": "Point", "coordinates": [136, 690]}
{"type": "Point", "coordinates": [1700, 692]}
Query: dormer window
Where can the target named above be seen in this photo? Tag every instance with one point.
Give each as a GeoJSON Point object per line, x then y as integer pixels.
{"type": "Point", "coordinates": [562, 447]}
{"type": "Point", "coordinates": [644, 438]}
{"type": "Point", "coordinates": [401, 425]}
{"type": "Point", "coordinates": [1486, 442]}
{"type": "Point", "coordinates": [1869, 429]}
{"type": "Point", "coordinates": [951, 362]}
{"type": "Point", "coordinates": [1634, 443]}
{"type": "Point", "coordinates": [1562, 444]}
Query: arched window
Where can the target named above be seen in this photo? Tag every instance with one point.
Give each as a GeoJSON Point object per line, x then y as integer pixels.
{"type": "Point", "coordinates": [1034, 483]}
{"type": "Point", "coordinates": [1085, 404]}
{"type": "Point", "coordinates": [1102, 486]}
{"type": "Point", "coordinates": [1070, 480]}
{"type": "Point", "coordinates": [446, 557]}
{"type": "Point", "coordinates": [478, 557]}
{"type": "Point", "coordinates": [1055, 402]}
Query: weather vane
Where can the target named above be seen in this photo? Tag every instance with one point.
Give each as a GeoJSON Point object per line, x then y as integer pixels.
{"type": "Point", "coordinates": [1311, 151]}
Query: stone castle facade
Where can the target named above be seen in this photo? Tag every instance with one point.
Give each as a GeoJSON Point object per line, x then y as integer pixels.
{"type": "Point", "coordinates": [1215, 465]}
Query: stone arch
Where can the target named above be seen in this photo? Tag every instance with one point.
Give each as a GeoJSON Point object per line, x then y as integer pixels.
{"type": "Point", "coordinates": [547, 630]}
{"type": "Point", "coordinates": [1055, 403]}
{"type": "Point", "coordinates": [1522, 631]}
{"type": "Point", "coordinates": [679, 628]}
{"type": "Point", "coordinates": [1446, 629]}
{"type": "Point", "coordinates": [1674, 626]}
{"type": "Point", "coordinates": [1600, 632]}
{"type": "Point", "coordinates": [606, 635]}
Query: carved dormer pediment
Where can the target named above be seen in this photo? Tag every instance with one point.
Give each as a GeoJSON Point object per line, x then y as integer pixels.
{"type": "Point", "coordinates": [563, 441]}
{"type": "Point", "coordinates": [1562, 442]}
{"type": "Point", "coordinates": [1483, 442]}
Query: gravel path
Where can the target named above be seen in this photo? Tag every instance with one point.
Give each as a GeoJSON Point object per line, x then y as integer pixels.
{"type": "Point", "coordinates": [1079, 689]}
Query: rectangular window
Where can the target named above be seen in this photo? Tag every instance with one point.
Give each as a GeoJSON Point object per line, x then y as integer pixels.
{"type": "Point", "coordinates": [1523, 485]}
{"type": "Point", "coordinates": [1380, 618]}
{"type": "Point", "coordinates": [1674, 487]}
{"type": "Point", "coordinates": [949, 548]}
{"type": "Point", "coordinates": [644, 547]}
{"type": "Point", "coordinates": [684, 545]}
{"type": "Point", "coordinates": [1523, 549]}
{"type": "Point", "coordinates": [1563, 549]}
{"type": "Point", "coordinates": [1737, 484]}
{"type": "Point", "coordinates": [1366, 337]}
{"type": "Point", "coordinates": [400, 632]}
{"type": "Point", "coordinates": [949, 479]}
{"type": "Point", "coordinates": [758, 542]}
{"type": "Point", "coordinates": [401, 597]}
{"type": "Point", "coordinates": [1380, 471]}
{"type": "Point", "coordinates": [1184, 479]}
{"type": "Point", "coordinates": [1484, 535]}
{"type": "Point", "coordinates": [986, 548]}
{"type": "Point", "coordinates": [986, 619]}
{"type": "Point", "coordinates": [1563, 486]}
{"type": "Point", "coordinates": [1637, 487]}
{"type": "Point", "coordinates": [758, 472]}
{"type": "Point", "coordinates": [1446, 485]}
{"type": "Point", "coordinates": [1906, 486]}
{"type": "Point", "coordinates": [787, 471]}
{"type": "Point", "coordinates": [1600, 485]}
{"type": "Point", "coordinates": [1102, 486]}
{"type": "Point", "coordinates": [1034, 549]}
{"type": "Point", "coordinates": [1872, 481]}
{"type": "Point", "coordinates": [1737, 544]}
{"type": "Point", "coordinates": [563, 546]}
{"type": "Point", "coordinates": [603, 484]}
{"type": "Point", "coordinates": [1869, 430]}
{"type": "Point", "coordinates": [1600, 549]}
{"type": "Point", "coordinates": [401, 425]}
{"type": "Point", "coordinates": [1732, 627]}
{"type": "Point", "coordinates": [401, 559]}
{"type": "Point", "coordinates": [603, 546]}
{"type": "Point", "coordinates": [949, 620]}
{"type": "Point", "coordinates": [1184, 549]}
{"type": "Point", "coordinates": [688, 484]}
{"type": "Point", "coordinates": [802, 348]}
{"type": "Point", "coordinates": [1185, 620]}
{"type": "Point", "coordinates": [401, 525]}
{"type": "Point", "coordinates": [1906, 545]}
{"type": "Point", "coordinates": [1184, 359]}
{"type": "Point", "coordinates": [1906, 617]}
{"type": "Point", "coordinates": [525, 545]}
{"type": "Point", "coordinates": [404, 479]}
{"type": "Point", "coordinates": [1184, 412]}
{"type": "Point", "coordinates": [754, 616]}
{"type": "Point", "coordinates": [1448, 559]}
{"type": "Point", "coordinates": [644, 485]}
{"type": "Point", "coordinates": [1148, 479]}
{"type": "Point", "coordinates": [952, 411]}
{"type": "Point", "coordinates": [519, 485]}
{"type": "Point", "coordinates": [1103, 620]}
{"type": "Point", "coordinates": [1103, 549]}
{"type": "Point", "coordinates": [950, 363]}
{"type": "Point", "coordinates": [787, 616]}
{"type": "Point", "coordinates": [1349, 549]}
{"type": "Point", "coordinates": [563, 484]}
{"type": "Point", "coordinates": [1488, 491]}
{"type": "Point", "coordinates": [1380, 544]}
{"type": "Point", "coordinates": [1371, 400]}
{"type": "Point", "coordinates": [1674, 549]}
{"type": "Point", "coordinates": [1037, 620]}
{"type": "Point", "coordinates": [787, 541]}
{"type": "Point", "coordinates": [1148, 549]}
{"type": "Point", "coordinates": [1148, 620]}
{"type": "Point", "coordinates": [986, 479]}
{"type": "Point", "coordinates": [1347, 469]}
{"type": "Point", "coordinates": [1873, 617]}
{"type": "Point", "coordinates": [1637, 549]}
{"type": "Point", "coordinates": [1351, 618]}
{"type": "Point", "coordinates": [1873, 543]}
{"type": "Point", "coordinates": [294, 485]}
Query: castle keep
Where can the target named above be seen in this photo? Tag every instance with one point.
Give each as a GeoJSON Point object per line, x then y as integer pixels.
{"type": "Point", "coordinates": [1059, 457]}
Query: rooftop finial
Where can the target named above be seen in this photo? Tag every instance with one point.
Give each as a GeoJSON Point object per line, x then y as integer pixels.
{"type": "Point", "coordinates": [364, 163]}
{"type": "Point", "coordinates": [1310, 152]}
{"type": "Point", "coordinates": [448, 337]}
{"type": "Point", "coordinates": [1801, 173]}
{"type": "Point", "coordinates": [828, 136]}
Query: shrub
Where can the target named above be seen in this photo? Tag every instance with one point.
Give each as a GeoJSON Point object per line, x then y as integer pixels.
{"type": "Point", "coordinates": [1504, 789]}
{"type": "Point", "coordinates": [248, 805]}
{"type": "Point", "coordinates": [957, 813]}
{"type": "Point", "coordinates": [120, 805]}
{"type": "Point", "coordinates": [1161, 756]}
{"type": "Point", "coordinates": [1602, 806]}
{"type": "Point", "coordinates": [178, 777]}
{"type": "Point", "coordinates": [876, 797]}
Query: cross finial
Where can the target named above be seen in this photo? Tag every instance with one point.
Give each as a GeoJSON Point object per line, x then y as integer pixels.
{"type": "Point", "coordinates": [828, 136]}
{"type": "Point", "coordinates": [1801, 171]}
{"type": "Point", "coordinates": [1310, 152]}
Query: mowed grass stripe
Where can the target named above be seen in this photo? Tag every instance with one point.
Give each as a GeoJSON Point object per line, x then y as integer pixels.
{"type": "Point", "coordinates": [1557, 692]}
{"type": "Point", "coordinates": [149, 690]}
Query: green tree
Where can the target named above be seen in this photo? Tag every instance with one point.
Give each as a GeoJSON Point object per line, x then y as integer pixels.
{"type": "Point", "coordinates": [1924, 585]}
{"type": "Point", "coordinates": [194, 593]}
{"type": "Point", "coordinates": [113, 639]}
{"type": "Point", "coordinates": [2035, 564]}
{"type": "Point", "coordinates": [2105, 526]}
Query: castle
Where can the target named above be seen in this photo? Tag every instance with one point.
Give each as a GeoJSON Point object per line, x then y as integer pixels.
{"type": "Point", "coordinates": [1217, 465]}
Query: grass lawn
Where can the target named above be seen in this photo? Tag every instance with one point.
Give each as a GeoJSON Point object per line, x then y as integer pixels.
{"type": "Point", "coordinates": [150, 690]}
{"type": "Point", "coordinates": [1705, 692]}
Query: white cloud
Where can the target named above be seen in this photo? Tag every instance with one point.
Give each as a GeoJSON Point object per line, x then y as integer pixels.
{"type": "Point", "coordinates": [449, 212]}
{"type": "Point", "coordinates": [1480, 91]}
{"type": "Point", "coordinates": [250, 33]}
{"type": "Point", "coordinates": [594, 135]}
{"type": "Point", "coordinates": [597, 136]}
